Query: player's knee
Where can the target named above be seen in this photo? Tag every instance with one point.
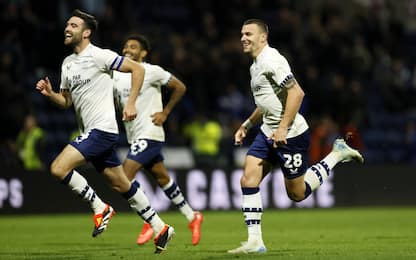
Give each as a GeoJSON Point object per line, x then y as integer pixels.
{"type": "Point", "coordinates": [120, 186]}
{"type": "Point", "coordinates": [116, 188]}
{"type": "Point", "coordinates": [250, 180]}
{"type": "Point", "coordinates": [245, 181]}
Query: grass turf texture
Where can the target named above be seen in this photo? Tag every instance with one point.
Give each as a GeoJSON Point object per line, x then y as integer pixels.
{"type": "Point", "coordinates": [345, 233]}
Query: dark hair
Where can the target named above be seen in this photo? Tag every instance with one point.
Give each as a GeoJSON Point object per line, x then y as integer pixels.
{"type": "Point", "coordinates": [144, 42]}
{"type": "Point", "coordinates": [260, 23]}
{"type": "Point", "coordinates": [89, 20]}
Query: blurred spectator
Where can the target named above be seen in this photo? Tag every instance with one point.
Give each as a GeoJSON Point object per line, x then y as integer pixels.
{"type": "Point", "coordinates": [396, 86]}
{"type": "Point", "coordinates": [352, 135]}
{"type": "Point", "coordinates": [30, 144]}
{"type": "Point", "coordinates": [355, 116]}
{"type": "Point", "coordinates": [9, 158]}
{"type": "Point", "coordinates": [205, 137]}
{"type": "Point", "coordinates": [323, 134]}
{"type": "Point", "coordinates": [74, 134]}
{"type": "Point", "coordinates": [174, 136]}
{"type": "Point", "coordinates": [357, 110]}
{"type": "Point", "coordinates": [232, 102]}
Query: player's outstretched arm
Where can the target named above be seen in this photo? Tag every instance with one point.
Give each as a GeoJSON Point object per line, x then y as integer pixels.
{"type": "Point", "coordinates": [62, 99]}
{"type": "Point", "coordinates": [179, 90]}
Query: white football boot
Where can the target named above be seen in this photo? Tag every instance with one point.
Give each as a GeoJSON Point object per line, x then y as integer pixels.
{"type": "Point", "coordinates": [346, 153]}
{"type": "Point", "coordinates": [252, 247]}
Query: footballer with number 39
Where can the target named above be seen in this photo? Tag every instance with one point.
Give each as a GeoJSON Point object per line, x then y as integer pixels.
{"type": "Point", "coordinates": [146, 134]}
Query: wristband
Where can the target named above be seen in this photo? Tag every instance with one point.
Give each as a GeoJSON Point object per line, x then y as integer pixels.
{"type": "Point", "coordinates": [247, 124]}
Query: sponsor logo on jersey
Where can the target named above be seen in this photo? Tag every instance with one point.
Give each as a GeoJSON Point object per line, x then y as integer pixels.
{"type": "Point", "coordinates": [77, 82]}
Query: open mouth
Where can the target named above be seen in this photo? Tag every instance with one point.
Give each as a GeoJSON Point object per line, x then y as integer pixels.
{"type": "Point", "coordinates": [68, 35]}
{"type": "Point", "coordinates": [246, 44]}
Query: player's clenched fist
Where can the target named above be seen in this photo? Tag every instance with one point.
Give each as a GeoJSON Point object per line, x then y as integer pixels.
{"type": "Point", "coordinates": [240, 135]}
{"type": "Point", "coordinates": [129, 113]}
{"type": "Point", "coordinates": [44, 86]}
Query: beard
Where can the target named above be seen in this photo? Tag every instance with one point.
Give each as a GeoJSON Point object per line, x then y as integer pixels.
{"type": "Point", "coordinates": [73, 41]}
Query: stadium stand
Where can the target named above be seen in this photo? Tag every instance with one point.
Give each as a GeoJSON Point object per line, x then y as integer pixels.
{"type": "Point", "coordinates": [355, 60]}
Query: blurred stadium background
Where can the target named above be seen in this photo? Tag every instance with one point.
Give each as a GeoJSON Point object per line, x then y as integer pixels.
{"type": "Point", "coordinates": [355, 59]}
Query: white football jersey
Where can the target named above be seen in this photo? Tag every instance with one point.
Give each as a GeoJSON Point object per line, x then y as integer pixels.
{"type": "Point", "coordinates": [148, 102]}
{"type": "Point", "coordinates": [87, 76]}
{"type": "Point", "coordinates": [269, 73]}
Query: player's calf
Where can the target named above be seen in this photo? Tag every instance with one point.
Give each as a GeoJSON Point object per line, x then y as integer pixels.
{"type": "Point", "coordinates": [295, 189]}
{"type": "Point", "coordinates": [296, 197]}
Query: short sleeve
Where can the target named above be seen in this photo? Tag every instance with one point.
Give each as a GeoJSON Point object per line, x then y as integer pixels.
{"type": "Point", "coordinates": [280, 70]}
{"type": "Point", "coordinates": [108, 60]}
{"type": "Point", "coordinates": [160, 75]}
{"type": "Point", "coordinates": [64, 77]}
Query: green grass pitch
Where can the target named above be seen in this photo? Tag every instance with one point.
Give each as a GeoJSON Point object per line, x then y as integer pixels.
{"type": "Point", "coordinates": [343, 233]}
